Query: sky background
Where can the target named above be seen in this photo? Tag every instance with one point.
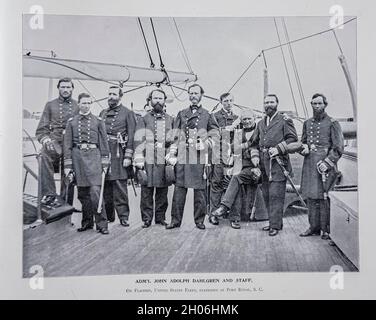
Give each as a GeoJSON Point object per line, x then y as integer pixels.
{"type": "Point", "coordinates": [219, 50]}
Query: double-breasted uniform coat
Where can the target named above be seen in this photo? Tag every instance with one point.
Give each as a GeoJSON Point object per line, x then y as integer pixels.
{"type": "Point", "coordinates": [325, 142]}
{"type": "Point", "coordinates": [120, 126]}
{"type": "Point", "coordinates": [152, 141]}
{"type": "Point", "coordinates": [192, 125]}
{"type": "Point", "coordinates": [86, 150]}
{"type": "Point", "coordinates": [52, 125]}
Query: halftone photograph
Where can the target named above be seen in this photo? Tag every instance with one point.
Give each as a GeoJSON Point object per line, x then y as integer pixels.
{"type": "Point", "coordinates": [177, 145]}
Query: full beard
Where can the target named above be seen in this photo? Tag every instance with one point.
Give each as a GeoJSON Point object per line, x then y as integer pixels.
{"type": "Point", "coordinates": [158, 108]}
{"type": "Point", "coordinates": [112, 103]}
{"type": "Point", "coordinates": [269, 111]}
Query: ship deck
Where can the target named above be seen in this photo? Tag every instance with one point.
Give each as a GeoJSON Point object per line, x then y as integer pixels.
{"type": "Point", "coordinates": [62, 251]}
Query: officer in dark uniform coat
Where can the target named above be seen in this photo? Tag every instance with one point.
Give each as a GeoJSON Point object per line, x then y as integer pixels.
{"type": "Point", "coordinates": [225, 119]}
{"type": "Point", "coordinates": [86, 153]}
{"type": "Point", "coordinates": [271, 137]}
{"type": "Point", "coordinates": [322, 140]}
{"type": "Point", "coordinates": [120, 127]}
{"type": "Point", "coordinates": [152, 140]}
{"type": "Point", "coordinates": [50, 132]}
{"type": "Point", "coordinates": [193, 127]}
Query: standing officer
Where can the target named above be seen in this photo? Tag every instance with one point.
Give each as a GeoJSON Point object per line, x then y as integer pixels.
{"type": "Point", "coordinates": [86, 155]}
{"type": "Point", "coordinates": [271, 137]}
{"type": "Point", "coordinates": [152, 142]}
{"type": "Point", "coordinates": [120, 127]}
{"type": "Point", "coordinates": [192, 126]}
{"type": "Point", "coordinates": [50, 132]}
{"type": "Point", "coordinates": [323, 146]}
{"type": "Point", "coordinates": [221, 176]}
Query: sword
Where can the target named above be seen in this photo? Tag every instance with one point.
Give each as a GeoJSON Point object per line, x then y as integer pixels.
{"type": "Point", "coordinates": [288, 177]}
{"type": "Point", "coordinates": [99, 209]}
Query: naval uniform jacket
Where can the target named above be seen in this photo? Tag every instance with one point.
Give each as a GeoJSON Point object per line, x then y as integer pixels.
{"type": "Point", "coordinates": [188, 127]}
{"type": "Point", "coordinates": [325, 141]}
{"type": "Point", "coordinates": [119, 120]}
{"type": "Point", "coordinates": [86, 162]}
{"type": "Point", "coordinates": [279, 133]}
{"type": "Point", "coordinates": [54, 119]}
{"type": "Point", "coordinates": [152, 139]}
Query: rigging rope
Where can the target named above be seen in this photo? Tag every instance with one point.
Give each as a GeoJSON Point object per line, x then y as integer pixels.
{"type": "Point", "coordinates": [295, 68]}
{"type": "Point", "coordinates": [339, 45]}
{"type": "Point", "coordinates": [184, 52]}
{"type": "Point", "coordinates": [287, 71]}
{"type": "Point", "coordinates": [152, 65]}
{"type": "Point", "coordinates": [88, 91]}
{"type": "Point", "coordinates": [156, 42]}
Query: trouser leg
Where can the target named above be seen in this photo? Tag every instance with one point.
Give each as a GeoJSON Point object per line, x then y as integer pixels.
{"type": "Point", "coordinates": [231, 192]}
{"type": "Point", "coordinates": [87, 206]}
{"type": "Point", "coordinates": [108, 195]}
{"type": "Point", "coordinates": [47, 173]}
{"type": "Point", "coordinates": [161, 203]}
{"type": "Point", "coordinates": [178, 203]}
{"type": "Point", "coordinates": [313, 214]}
{"type": "Point", "coordinates": [147, 203]}
{"type": "Point", "coordinates": [325, 215]}
{"type": "Point", "coordinates": [216, 186]}
{"type": "Point", "coordinates": [120, 188]}
{"type": "Point", "coordinates": [275, 197]}
{"type": "Point", "coordinates": [199, 205]}
{"type": "Point", "coordinates": [100, 218]}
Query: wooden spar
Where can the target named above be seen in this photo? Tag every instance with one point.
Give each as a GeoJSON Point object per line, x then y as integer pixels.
{"type": "Point", "coordinates": [266, 82]}
{"type": "Point", "coordinates": [350, 84]}
{"type": "Point", "coordinates": [42, 67]}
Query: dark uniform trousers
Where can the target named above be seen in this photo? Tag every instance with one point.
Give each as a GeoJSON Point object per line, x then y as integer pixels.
{"type": "Point", "coordinates": [49, 165]}
{"type": "Point", "coordinates": [116, 198]}
{"type": "Point", "coordinates": [89, 198]}
{"type": "Point", "coordinates": [219, 184]}
{"type": "Point", "coordinates": [178, 203]}
{"type": "Point", "coordinates": [319, 214]}
{"type": "Point", "coordinates": [147, 203]}
{"type": "Point", "coordinates": [274, 198]}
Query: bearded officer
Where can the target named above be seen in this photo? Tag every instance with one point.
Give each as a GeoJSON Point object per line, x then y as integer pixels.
{"type": "Point", "coordinates": [272, 136]}
{"type": "Point", "coordinates": [152, 142]}
{"type": "Point", "coordinates": [120, 127]}
{"type": "Point", "coordinates": [220, 177]}
{"type": "Point", "coordinates": [86, 153]}
{"type": "Point", "coordinates": [50, 132]}
{"type": "Point", "coordinates": [192, 128]}
{"type": "Point", "coordinates": [322, 140]}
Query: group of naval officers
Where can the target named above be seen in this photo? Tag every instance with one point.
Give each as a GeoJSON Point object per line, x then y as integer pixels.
{"type": "Point", "coordinates": [223, 157]}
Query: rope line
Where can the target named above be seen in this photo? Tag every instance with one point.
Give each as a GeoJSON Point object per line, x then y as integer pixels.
{"type": "Point", "coordinates": [152, 65]}
{"type": "Point", "coordinates": [185, 55]}
{"type": "Point", "coordinates": [157, 44]}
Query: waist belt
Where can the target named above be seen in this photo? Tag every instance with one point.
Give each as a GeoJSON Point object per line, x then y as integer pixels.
{"type": "Point", "coordinates": [85, 146]}
{"type": "Point", "coordinates": [112, 137]}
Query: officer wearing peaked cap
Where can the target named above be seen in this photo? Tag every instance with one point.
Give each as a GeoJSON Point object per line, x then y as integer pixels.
{"type": "Point", "coordinates": [272, 136]}
{"type": "Point", "coordinates": [50, 132]}
{"type": "Point", "coordinates": [152, 140]}
{"type": "Point", "coordinates": [322, 148]}
{"type": "Point", "coordinates": [120, 127]}
{"type": "Point", "coordinates": [86, 154]}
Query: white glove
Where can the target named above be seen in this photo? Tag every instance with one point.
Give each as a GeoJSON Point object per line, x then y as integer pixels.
{"type": "Point", "coordinates": [200, 145]}
{"type": "Point", "coordinates": [305, 150]}
{"type": "Point", "coordinates": [273, 152]}
{"type": "Point", "coordinates": [139, 165]}
{"type": "Point", "coordinates": [127, 162]}
{"type": "Point", "coordinates": [255, 161]}
{"type": "Point", "coordinates": [172, 161]}
{"type": "Point", "coordinates": [323, 167]}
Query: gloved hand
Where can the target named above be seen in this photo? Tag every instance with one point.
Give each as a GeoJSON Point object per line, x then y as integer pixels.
{"type": "Point", "coordinates": [69, 174]}
{"type": "Point", "coordinates": [127, 162]}
{"type": "Point", "coordinates": [255, 161]}
{"type": "Point", "coordinates": [256, 174]}
{"type": "Point", "coordinates": [172, 160]}
{"type": "Point", "coordinates": [305, 150]}
{"type": "Point", "coordinates": [323, 167]}
{"type": "Point", "coordinates": [105, 167]}
{"type": "Point", "coordinates": [139, 165]}
{"type": "Point", "coordinates": [48, 144]}
{"type": "Point", "coordinates": [273, 152]}
{"type": "Point", "coordinates": [200, 145]}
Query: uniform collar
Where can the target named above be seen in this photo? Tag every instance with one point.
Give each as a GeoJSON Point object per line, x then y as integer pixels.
{"type": "Point", "coordinates": [192, 107]}
{"type": "Point", "coordinates": [87, 115]}
{"type": "Point", "coordinates": [157, 115]}
{"type": "Point", "coordinates": [61, 99]}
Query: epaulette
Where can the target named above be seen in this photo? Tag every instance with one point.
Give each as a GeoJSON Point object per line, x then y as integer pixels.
{"type": "Point", "coordinates": [332, 120]}
{"type": "Point", "coordinates": [286, 117]}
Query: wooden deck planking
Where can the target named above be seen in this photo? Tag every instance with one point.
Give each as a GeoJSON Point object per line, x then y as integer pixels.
{"type": "Point", "coordinates": [62, 251]}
